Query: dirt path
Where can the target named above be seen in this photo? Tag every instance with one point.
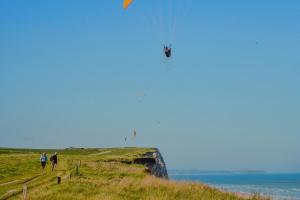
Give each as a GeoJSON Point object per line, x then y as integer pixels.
{"type": "Point", "coordinates": [32, 184]}
{"type": "Point", "coordinates": [8, 183]}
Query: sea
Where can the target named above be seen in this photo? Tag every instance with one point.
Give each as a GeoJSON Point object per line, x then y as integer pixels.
{"type": "Point", "coordinates": [281, 186]}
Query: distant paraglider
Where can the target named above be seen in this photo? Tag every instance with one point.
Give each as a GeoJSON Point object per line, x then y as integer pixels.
{"type": "Point", "coordinates": [133, 133]}
{"type": "Point", "coordinates": [168, 51]}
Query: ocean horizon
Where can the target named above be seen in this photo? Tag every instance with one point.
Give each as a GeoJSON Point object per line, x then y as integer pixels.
{"type": "Point", "coordinates": [281, 186]}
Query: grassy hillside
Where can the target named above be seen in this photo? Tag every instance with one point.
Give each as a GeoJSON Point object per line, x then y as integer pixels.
{"type": "Point", "coordinates": [101, 174]}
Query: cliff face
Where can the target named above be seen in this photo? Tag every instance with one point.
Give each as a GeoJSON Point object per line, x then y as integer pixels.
{"type": "Point", "coordinates": [159, 169]}
{"type": "Point", "coordinates": [155, 164]}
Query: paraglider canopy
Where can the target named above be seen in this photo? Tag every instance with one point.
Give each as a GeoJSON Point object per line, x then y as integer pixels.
{"type": "Point", "coordinates": [126, 3]}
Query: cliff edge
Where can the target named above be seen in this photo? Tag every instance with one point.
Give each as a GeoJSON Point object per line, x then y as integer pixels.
{"type": "Point", "coordinates": [154, 163]}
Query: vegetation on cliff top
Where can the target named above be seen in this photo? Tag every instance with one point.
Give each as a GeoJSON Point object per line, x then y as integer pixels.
{"type": "Point", "coordinates": [92, 174]}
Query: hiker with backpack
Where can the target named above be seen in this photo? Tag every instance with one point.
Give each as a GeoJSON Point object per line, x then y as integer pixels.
{"type": "Point", "coordinates": [53, 160]}
{"type": "Point", "coordinates": [43, 160]}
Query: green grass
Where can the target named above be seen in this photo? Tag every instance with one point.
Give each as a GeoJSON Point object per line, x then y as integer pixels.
{"type": "Point", "coordinates": [100, 175]}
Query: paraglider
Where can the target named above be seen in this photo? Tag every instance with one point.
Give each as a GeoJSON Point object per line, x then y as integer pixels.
{"type": "Point", "coordinates": [167, 51]}
{"type": "Point", "coordinates": [168, 26]}
{"type": "Point", "coordinates": [133, 133]}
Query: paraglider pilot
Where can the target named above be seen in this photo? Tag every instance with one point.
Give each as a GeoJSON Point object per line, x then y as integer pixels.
{"type": "Point", "coordinates": [167, 51]}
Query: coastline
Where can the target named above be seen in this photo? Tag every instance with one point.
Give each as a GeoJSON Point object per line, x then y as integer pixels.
{"type": "Point", "coordinates": [268, 185]}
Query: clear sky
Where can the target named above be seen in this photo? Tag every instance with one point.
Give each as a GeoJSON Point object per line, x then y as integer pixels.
{"type": "Point", "coordinates": [85, 73]}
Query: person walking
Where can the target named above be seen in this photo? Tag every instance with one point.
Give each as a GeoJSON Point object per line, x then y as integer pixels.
{"type": "Point", "coordinates": [44, 160]}
{"type": "Point", "coordinates": [53, 160]}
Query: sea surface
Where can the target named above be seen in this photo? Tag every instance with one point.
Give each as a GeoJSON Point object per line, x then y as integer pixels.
{"type": "Point", "coordinates": [275, 185]}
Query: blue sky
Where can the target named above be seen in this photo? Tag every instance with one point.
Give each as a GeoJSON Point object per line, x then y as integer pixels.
{"type": "Point", "coordinates": [85, 73]}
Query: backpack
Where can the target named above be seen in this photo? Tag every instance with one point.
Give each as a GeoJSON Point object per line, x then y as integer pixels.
{"type": "Point", "coordinates": [43, 159]}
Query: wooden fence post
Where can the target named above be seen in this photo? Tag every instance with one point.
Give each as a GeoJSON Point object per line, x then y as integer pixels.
{"type": "Point", "coordinates": [77, 169]}
{"type": "Point", "coordinates": [24, 192]}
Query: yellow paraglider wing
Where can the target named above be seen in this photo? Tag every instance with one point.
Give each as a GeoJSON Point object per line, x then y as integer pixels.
{"type": "Point", "coordinates": [126, 3]}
